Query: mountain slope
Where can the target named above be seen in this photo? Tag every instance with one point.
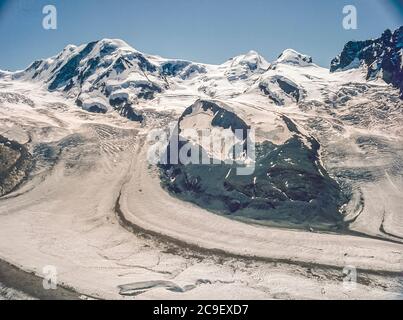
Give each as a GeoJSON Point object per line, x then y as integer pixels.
{"type": "Point", "coordinates": [76, 131]}
{"type": "Point", "coordinates": [382, 57]}
{"type": "Point", "coordinates": [109, 75]}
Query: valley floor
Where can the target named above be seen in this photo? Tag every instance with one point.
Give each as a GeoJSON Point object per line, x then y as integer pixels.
{"type": "Point", "coordinates": [97, 213]}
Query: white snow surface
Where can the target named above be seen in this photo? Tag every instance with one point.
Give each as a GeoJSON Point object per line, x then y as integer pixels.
{"type": "Point", "coordinates": [66, 216]}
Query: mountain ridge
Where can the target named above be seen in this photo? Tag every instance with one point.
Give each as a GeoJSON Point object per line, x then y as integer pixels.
{"type": "Point", "coordinates": [109, 74]}
{"type": "Point", "coordinates": [383, 57]}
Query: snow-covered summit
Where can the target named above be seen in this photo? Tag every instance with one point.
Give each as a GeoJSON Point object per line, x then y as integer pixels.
{"type": "Point", "coordinates": [109, 74]}
{"type": "Point", "coordinates": [243, 66]}
{"type": "Point", "coordinates": [251, 60]}
{"type": "Point", "coordinates": [380, 58]}
{"type": "Point", "coordinates": [290, 56]}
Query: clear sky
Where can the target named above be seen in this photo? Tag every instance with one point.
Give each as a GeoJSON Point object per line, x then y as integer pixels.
{"type": "Point", "coordinates": [209, 31]}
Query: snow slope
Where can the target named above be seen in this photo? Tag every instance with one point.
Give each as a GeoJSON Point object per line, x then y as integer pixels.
{"type": "Point", "coordinates": [93, 206]}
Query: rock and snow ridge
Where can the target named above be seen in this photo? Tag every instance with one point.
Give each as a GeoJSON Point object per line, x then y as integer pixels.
{"type": "Point", "coordinates": [110, 75]}
{"type": "Point", "coordinates": [89, 164]}
{"type": "Point", "coordinates": [291, 56]}
{"type": "Point", "coordinates": [382, 57]}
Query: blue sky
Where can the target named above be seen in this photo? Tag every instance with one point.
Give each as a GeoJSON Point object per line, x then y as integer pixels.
{"type": "Point", "coordinates": [209, 31]}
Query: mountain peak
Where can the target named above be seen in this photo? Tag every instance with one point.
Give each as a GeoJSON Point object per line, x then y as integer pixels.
{"type": "Point", "coordinates": [115, 43]}
{"type": "Point", "coordinates": [381, 57]}
{"type": "Point", "coordinates": [252, 60]}
{"type": "Point", "coordinates": [290, 56]}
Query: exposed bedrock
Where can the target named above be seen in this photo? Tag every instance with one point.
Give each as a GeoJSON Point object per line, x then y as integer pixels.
{"type": "Point", "coordinates": [289, 186]}
{"type": "Point", "coordinates": [15, 165]}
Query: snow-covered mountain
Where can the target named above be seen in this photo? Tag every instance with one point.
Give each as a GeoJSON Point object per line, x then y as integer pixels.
{"type": "Point", "coordinates": [110, 75]}
{"type": "Point", "coordinates": [76, 131]}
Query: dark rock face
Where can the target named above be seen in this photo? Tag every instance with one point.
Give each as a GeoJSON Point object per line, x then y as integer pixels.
{"type": "Point", "coordinates": [70, 69]}
{"type": "Point", "coordinates": [148, 90]}
{"type": "Point", "coordinates": [143, 63]}
{"type": "Point", "coordinates": [174, 67]}
{"type": "Point", "coordinates": [289, 186]}
{"type": "Point", "coordinates": [125, 109]}
{"type": "Point", "coordinates": [192, 69]}
{"type": "Point", "coordinates": [15, 165]}
{"type": "Point", "coordinates": [222, 118]}
{"type": "Point", "coordinates": [271, 96]}
{"type": "Point", "coordinates": [128, 112]}
{"type": "Point", "coordinates": [382, 56]}
{"type": "Point", "coordinates": [181, 68]}
{"type": "Point", "coordinates": [35, 67]}
{"type": "Point", "coordinates": [289, 89]}
{"type": "Point", "coordinates": [92, 66]}
{"type": "Point", "coordinates": [120, 65]}
{"type": "Point", "coordinates": [73, 75]}
{"type": "Point", "coordinates": [87, 70]}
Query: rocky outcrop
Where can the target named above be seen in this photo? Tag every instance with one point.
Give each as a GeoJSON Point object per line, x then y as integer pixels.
{"type": "Point", "coordinates": [288, 187]}
{"type": "Point", "coordinates": [15, 165]}
{"type": "Point", "coordinates": [383, 57]}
